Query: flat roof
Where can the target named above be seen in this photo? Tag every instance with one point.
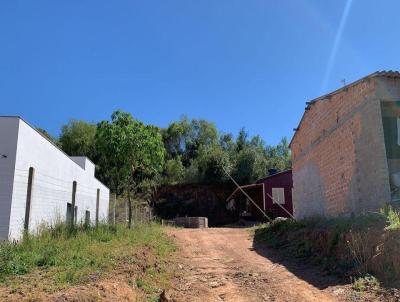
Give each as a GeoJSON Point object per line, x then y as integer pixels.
{"type": "Point", "coordinates": [51, 142]}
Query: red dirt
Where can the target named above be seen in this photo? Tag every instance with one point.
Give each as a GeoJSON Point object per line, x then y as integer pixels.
{"type": "Point", "coordinates": [223, 264]}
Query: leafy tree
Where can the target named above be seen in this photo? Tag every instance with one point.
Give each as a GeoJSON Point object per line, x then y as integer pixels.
{"type": "Point", "coordinates": [130, 154]}
{"type": "Point", "coordinates": [175, 137]}
{"type": "Point", "coordinates": [185, 137]}
{"type": "Point", "coordinates": [213, 162]}
{"type": "Point", "coordinates": [174, 171]}
{"type": "Point", "coordinates": [78, 138]}
{"type": "Point", "coordinates": [251, 164]}
{"type": "Point", "coordinates": [242, 140]}
{"type": "Point", "coordinates": [227, 143]}
{"type": "Point", "coordinates": [279, 156]}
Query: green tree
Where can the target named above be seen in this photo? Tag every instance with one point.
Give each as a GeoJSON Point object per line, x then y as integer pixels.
{"type": "Point", "coordinates": [250, 165]}
{"type": "Point", "coordinates": [130, 155]}
{"type": "Point", "coordinates": [213, 161]}
{"type": "Point", "coordinates": [174, 171]}
{"type": "Point", "coordinates": [185, 137]}
{"type": "Point", "coordinates": [175, 137]}
{"type": "Point", "coordinates": [242, 140]}
{"type": "Point", "coordinates": [279, 156]}
{"type": "Point", "coordinates": [78, 138]}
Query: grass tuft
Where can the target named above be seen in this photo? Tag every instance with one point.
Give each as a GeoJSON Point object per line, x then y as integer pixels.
{"type": "Point", "coordinates": [68, 256]}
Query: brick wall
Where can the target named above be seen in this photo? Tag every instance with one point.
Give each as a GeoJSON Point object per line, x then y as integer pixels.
{"type": "Point", "coordinates": [339, 157]}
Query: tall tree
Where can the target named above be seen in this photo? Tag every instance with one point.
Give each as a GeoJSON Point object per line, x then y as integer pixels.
{"type": "Point", "coordinates": [279, 156]}
{"type": "Point", "coordinates": [242, 140]}
{"type": "Point", "coordinates": [130, 154]}
{"type": "Point", "coordinates": [250, 165]}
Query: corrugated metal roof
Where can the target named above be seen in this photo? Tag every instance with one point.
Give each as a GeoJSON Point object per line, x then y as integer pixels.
{"type": "Point", "coordinates": [383, 73]}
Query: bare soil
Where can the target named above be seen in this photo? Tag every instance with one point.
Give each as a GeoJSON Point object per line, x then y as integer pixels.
{"type": "Point", "coordinates": [216, 264]}
{"type": "Point", "coordinates": [224, 264]}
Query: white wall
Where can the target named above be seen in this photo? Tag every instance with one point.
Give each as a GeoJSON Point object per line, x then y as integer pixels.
{"type": "Point", "coordinates": [8, 147]}
{"type": "Point", "coordinates": [54, 175]}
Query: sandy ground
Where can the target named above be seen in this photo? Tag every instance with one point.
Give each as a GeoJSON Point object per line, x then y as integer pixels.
{"type": "Point", "coordinates": [223, 264]}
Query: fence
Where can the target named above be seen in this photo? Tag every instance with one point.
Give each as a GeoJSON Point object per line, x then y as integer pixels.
{"type": "Point", "coordinates": [119, 212]}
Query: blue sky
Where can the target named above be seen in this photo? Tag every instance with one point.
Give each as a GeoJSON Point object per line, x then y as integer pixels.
{"type": "Point", "coordinates": [251, 63]}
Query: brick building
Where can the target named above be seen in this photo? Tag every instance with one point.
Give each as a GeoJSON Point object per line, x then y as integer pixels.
{"type": "Point", "coordinates": [346, 149]}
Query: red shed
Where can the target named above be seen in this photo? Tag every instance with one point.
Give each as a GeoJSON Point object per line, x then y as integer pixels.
{"type": "Point", "coordinates": [267, 193]}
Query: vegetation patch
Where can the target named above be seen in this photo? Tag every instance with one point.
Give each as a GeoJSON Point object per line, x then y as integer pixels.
{"type": "Point", "coordinates": [58, 258]}
{"type": "Point", "coordinates": [355, 247]}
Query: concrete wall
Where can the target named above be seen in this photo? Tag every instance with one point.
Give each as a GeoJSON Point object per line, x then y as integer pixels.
{"type": "Point", "coordinates": [53, 179]}
{"type": "Point", "coordinates": [339, 156]}
{"type": "Point", "coordinates": [8, 149]}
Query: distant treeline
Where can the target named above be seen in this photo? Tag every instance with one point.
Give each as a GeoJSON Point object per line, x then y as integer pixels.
{"type": "Point", "coordinates": [133, 157]}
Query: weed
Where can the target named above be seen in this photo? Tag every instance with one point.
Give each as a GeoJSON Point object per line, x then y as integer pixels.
{"type": "Point", "coordinates": [139, 283]}
{"type": "Point", "coordinates": [367, 282]}
{"type": "Point", "coordinates": [71, 255]}
{"type": "Point", "coordinates": [392, 217]}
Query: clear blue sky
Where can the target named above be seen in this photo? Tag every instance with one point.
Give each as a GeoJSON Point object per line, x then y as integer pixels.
{"type": "Point", "coordinates": [251, 63]}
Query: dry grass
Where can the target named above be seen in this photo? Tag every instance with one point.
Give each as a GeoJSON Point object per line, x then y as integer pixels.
{"type": "Point", "coordinates": [356, 247]}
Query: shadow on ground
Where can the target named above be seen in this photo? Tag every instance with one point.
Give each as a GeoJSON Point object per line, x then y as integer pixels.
{"type": "Point", "coordinates": [304, 268]}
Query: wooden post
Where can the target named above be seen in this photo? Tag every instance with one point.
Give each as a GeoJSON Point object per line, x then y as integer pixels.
{"type": "Point", "coordinates": [28, 199]}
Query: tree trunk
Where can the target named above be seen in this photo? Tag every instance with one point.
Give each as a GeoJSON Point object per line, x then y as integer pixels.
{"type": "Point", "coordinates": [129, 209]}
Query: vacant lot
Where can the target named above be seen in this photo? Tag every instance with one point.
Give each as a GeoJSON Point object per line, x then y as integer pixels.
{"type": "Point", "coordinates": [117, 264]}
{"type": "Point", "coordinates": [224, 264]}
{"type": "Point", "coordinates": [87, 264]}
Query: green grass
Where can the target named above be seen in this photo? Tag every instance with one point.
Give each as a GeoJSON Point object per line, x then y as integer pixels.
{"type": "Point", "coordinates": [392, 217]}
{"type": "Point", "coordinates": [66, 256]}
{"type": "Point", "coordinates": [366, 282]}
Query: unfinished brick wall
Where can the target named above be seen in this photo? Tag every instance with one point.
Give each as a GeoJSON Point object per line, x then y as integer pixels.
{"type": "Point", "coordinates": [338, 152]}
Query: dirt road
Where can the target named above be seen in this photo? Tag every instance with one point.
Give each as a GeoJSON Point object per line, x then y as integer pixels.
{"type": "Point", "coordinates": [224, 265]}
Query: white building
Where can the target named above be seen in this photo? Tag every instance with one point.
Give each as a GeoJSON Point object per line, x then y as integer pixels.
{"type": "Point", "coordinates": [40, 184]}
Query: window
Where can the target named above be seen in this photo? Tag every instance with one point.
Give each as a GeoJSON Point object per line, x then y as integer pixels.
{"type": "Point", "coordinates": [278, 195]}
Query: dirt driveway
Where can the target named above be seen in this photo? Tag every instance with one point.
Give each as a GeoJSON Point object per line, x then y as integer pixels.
{"type": "Point", "coordinates": [222, 264]}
